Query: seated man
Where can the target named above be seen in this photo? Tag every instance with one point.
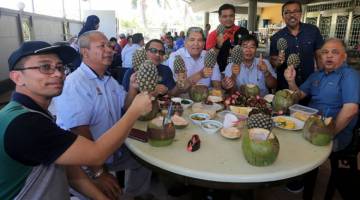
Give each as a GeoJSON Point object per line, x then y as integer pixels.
{"type": "Point", "coordinates": [193, 56]}
{"type": "Point", "coordinates": [334, 90]}
{"type": "Point", "coordinates": [34, 151]}
{"type": "Point", "coordinates": [155, 52]}
{"type": "Point", "coordinates": [91, 103]}
{"type": "Point", "coordinates": [252, 70]}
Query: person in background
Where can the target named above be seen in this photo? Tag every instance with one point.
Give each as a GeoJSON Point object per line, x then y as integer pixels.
{"type": "Point", "coordinates": [169, 46]}
{"type": "Point", "coordinates": [223, 43]}
{"type": "Point", "coordinates": [127, 52]}
{"type": "Point", "coordinates": [123, 40]}
{"type": "Point", "coordinates": [179, 43]}
{"type": "Point", "coordinates": [252, 70]}
{"type": "Point", "coordinates": [207, 29]}
{"type": "Point", "coordinates": [39, 160]}
{"type": "Point", "coordinates": [116, 66]}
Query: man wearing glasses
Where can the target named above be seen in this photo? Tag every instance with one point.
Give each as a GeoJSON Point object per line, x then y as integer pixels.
{"type": "Point", "coordinates": [155, 52]}
{"type": "Point", "coordinates": [302, 39]}
{"type": "Point", "coordinates": [38, 159]}
{"type": "Point", "coordinates": [91, 103]}
{"type": "Point", "coordinates": [193, 54]}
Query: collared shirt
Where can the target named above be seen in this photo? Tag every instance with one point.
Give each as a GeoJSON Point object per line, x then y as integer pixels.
{"type": "Point", "coordinates": [127, 53]}
{"type": "Point", "coordinates": [193, 66]}
{"type": "Point", "coordinates": [252, 75]}
{"type": "Point", "coordinates": [330, 91]}
{"type": "Point", "coordinates": [304, 44]}
{"type": "Point", "coordinates": [89, 100]}
{"type": "Point", "coordinates": [163, 71]}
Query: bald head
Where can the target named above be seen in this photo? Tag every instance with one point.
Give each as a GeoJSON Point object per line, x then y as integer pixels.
{"type": "Point", "coordinates": [85, 38]}
{"type": "Point", "coordinates": [333, 54]}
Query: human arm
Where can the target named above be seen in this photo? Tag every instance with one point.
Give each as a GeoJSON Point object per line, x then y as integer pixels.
{"type": "Point", "coordinates": [79, 181]}
{"type": "Point", "coordinates": [290, 75]}
{"type": "Point", "coordinates": [268, 72]}
{"type": "Point", "coordinates": [344, 117]}
{"type": "Point", "coordinates": [132, 92]}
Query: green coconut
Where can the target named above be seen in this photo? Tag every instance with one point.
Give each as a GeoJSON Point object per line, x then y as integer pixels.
{"type": "Point", "coordinates": [317, 131]}
{"type": "Point", "coordinates": [260, 147]}
{"type": "Point", "coordinates": [153, 113]}
{"type": "Point", "coordinates": [199, 93]}
{"type": "Point", "coordinates": [158, 135]}
{"type": "Point", "coordinates": [250, 90]}
{"type": "Point", "coordinates": [283, 99]}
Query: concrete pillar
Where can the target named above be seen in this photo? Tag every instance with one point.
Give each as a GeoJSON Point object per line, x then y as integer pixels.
{"type": "Point", "coordinates": [206, 18]}
{"type": "Point", "coordinates": [252, 11]}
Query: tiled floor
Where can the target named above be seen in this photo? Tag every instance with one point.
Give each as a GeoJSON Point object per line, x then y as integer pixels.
{"type": "Point", "coordinates": [271, 193]}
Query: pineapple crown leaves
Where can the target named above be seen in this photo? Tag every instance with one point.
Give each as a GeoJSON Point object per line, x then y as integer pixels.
{"type": "Point", "coordinates": [147, 76]}
{"type": "Point", "coordinates": [138, 58]}
{"type": "Point", "coordinates": [293, 59]}
{"type": "Point", "coordinates": [210, 58]}
{"type": "Point", "coordinates": [220, 29]}
{"type": "Point", "coordinates": [237, 55]}
{"type": "Point", "coordinates": [179, 65]}
{"type": "Point", "coordinates": [281, 44]}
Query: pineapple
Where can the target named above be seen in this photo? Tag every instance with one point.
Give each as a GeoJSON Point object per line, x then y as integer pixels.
{"type": "Point", "coordinates": [138, 58]}
{"type": "Point", "coordinates": [293, 59]}
{"type": "Point", "coordinates": [210, 58]}
{"type": "Point", "coordinates": [237, 55]}
{"type": "Point", "coordinates": [281, 44]}
{"type": "Point", "coordinates": [260, 120]}
{"type": "Point", "coordinates": [147, 77]}
{"type": "Point", "coordinates": [180, 71]}
{"type": "Point", "coordinates": [220, 29]}
{"type": "Point", "coordinates": [179, 65]}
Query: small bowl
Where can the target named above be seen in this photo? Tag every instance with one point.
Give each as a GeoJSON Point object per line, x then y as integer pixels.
{"type": "Point", "coordinates": [211, 126]}
{"type": "Point", "coordinates": [186, 105]}
{"type": "Point", "coordinates": [197, 118]}
{"type": "Point", "coordinates": [176, 99]}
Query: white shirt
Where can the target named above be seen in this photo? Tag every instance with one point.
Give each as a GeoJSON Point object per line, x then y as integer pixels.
{"type": "Point", "coordinates": [252, 75]}
{"type": "Point", "coordinates": [193, 66]}
{"type": "Point", "coordinates": [127, 53]}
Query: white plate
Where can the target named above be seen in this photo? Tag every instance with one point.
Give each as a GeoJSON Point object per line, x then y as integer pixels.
{"type": "Point", "coordinates": [298, 123]}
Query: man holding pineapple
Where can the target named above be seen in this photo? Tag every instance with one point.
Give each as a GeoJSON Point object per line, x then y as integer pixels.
{"type": "Point", "coordinates": [195, 60]}
{"type": "Point", "coordinates": [91, 103]}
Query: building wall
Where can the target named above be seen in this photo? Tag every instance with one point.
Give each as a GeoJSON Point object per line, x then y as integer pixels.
{"type": "Point", "coordinates": [48, 30]}
{"type": "Point", "coordinates": [273, 13]}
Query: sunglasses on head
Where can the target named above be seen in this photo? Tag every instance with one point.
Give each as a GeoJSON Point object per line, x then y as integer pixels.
{"type": "Point", "coordinates": [155, 51]}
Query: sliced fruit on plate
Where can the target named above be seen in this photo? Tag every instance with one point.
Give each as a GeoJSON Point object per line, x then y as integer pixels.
{"type": "Point", "coordinates": [179, 122]}
{"type": "Point", "coordinates": [241, 110]}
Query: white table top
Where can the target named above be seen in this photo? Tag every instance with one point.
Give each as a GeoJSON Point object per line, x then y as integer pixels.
{"type": "Point", "coordinates": [221, 160]}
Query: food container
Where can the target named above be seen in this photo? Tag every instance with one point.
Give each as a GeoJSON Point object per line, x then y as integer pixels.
{"type": "Point", "coordinates": [186, 103]}
{"type": "Point", "coordinates": [211, 126]}
{"type": "Point", "coordinates": [302, 112]}
{"type": "Point", "coordinates": [197, 118]}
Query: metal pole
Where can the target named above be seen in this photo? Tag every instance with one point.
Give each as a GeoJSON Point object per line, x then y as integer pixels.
{"type": "Point", "coordinates": [206, 18]}
{"type": "Point", "coordinates": [252, 12]}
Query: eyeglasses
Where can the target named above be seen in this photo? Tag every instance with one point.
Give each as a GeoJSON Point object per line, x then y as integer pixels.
{"type": "Point", "coordinates": [155, 51]}
{"type": "Point", "coordinates": [48, 69]}
{"type": "Point", "coordinates": [289, 13]}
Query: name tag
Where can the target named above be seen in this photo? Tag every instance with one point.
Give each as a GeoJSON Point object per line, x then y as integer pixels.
{"type": "Point", "coordinates": [98, 91]}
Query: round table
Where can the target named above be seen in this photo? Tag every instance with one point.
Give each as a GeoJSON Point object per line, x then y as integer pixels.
{"type": "Point", "coordinates": [221, 160]}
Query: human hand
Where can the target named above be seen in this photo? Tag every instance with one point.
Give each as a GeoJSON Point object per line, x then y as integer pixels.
{"type": "Point", "coordinates": [133, 82]}
{"type": "Point", "coordinates": [290, 74]}
{"type": "Point", "coordinates": [261, 65]}
{"type": "Point", "coordinates": [108, 184]}
{"type": "Point", "coordinates": [142, 103]}
{"type": "Point", "coordinates": [235, 69]}
{"type": "Point", "coordinates": [281, 57]}
{"type": "Point", "coordinates": [227, 83]}
{"type": "Point", "coordinates": [219, 40]}
{"type": "Point", "coordinates": [161, 89]}
{"type": "Point", "coordinates": [207, 72]}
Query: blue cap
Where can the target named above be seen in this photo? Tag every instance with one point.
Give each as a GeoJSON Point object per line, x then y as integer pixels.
{"type": "Point", "coordinates": [65, 53]}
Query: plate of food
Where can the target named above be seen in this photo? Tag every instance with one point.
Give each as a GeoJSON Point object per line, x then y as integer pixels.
{"type": "Point", "coordinates": [288, 123]}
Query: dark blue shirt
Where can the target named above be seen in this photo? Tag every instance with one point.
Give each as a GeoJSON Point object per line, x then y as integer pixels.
{"type": "Point", "coordinates": [164, 72]}
{"type": "Point", "coordinates": [304, 44]}
{"type": "Point", "coordinates": [330, 91]}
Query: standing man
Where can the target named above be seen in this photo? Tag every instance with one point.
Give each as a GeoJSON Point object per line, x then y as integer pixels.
{"type": "Point", "coordinates": [223, 43]}
{"type": "Point", "coordinates": [193, 55]}
{"type": "Point", "coordinates": [91, 103]}
{"type": "Point", "coordinates": [302, 39]}
{"type": "Point", "coordinates": [34, 151]}
{"type": "Point", "coordinates": [127, 52]}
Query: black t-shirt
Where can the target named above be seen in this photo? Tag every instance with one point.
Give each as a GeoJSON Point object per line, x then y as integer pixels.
{"type": "Point", "coordinates": [223, 55]}
{"type": "Point", "coordinates": [33, 138]}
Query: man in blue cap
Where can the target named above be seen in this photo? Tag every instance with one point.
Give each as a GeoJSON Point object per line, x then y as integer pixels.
{"type": "Point", "coordinates": [33, 149]}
